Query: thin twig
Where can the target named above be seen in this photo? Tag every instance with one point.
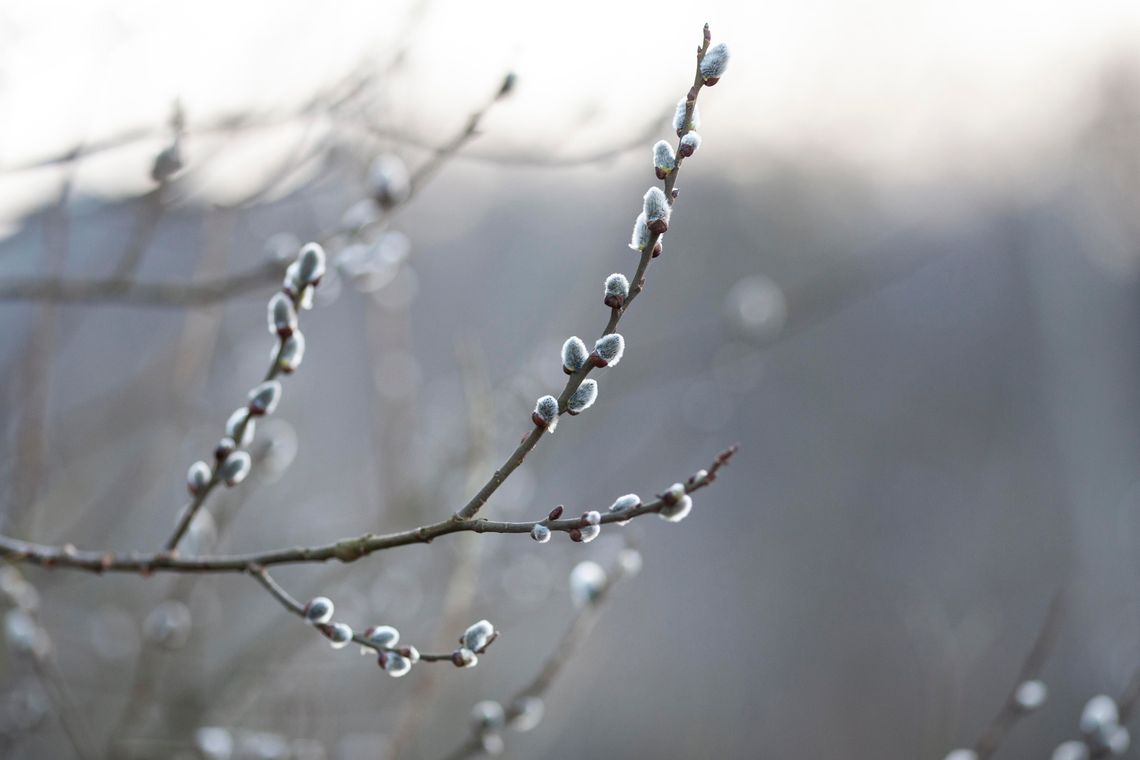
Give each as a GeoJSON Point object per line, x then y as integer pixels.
{"type": "Point", "coordinates": [1031, 668]}
{"type": "Point", "coordinates": [572, 640]}
{"type": "Point", "coordinates": [346, 550]}
{"type": "Point", "coordinates": [262, 576]}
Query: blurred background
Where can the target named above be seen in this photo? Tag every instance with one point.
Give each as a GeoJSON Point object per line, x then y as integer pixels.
{"type": "Point", "coordinates": [903, 273]}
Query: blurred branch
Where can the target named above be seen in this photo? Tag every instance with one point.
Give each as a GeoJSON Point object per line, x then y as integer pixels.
{"type": "Point", "coordinates": [563, 652]}
{"type": "Point", "coordinates": [346, 550]}
{"type": "Point", "coordinates": [1031, 668]}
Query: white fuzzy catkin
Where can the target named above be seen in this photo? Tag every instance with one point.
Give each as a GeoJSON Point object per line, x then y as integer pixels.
{"type": "Point", "coordinates": [574, 354]}
{"type": "Point", "coordinates": [609, 349]}
{"type": "Point", "coordinates": [588, 533]}
{"type": "Point", "coordinates": [1099, 712]}
{"type": "Point", "coordinates": [488, 715]}
{"type": "Point", "coordinates": [583, 398]}
{"type": "Point", "coordinates": [640, 237]}
{"type": "Point", "coordinates": [282, 315]}
{"type": "Point", "coordinates": [679, 122]}
{"type": "Point", "coordinates": [338, 634]}
{"type": "Point", "coordinates": [396, 664]}
{"type": "Point", "coordinates": [263, 398]}
{"type": "Point", "coordinates": [540, 533]}
{"type": "Point", "coordinates": [235, 468]}
{"type": "Point", "coordinates": [390, 180]}
{"type": "Point", "coordinates": [715, 62]}
{"type": "Point", "coordinates": [464, 658]}
{"type": "Point", "coordinates": [677, 511]}
{"type": "Point", "coordinates": [478, 635]}
{"type": "Point", "coordinates": [617, 290]}
{"type": "Point", "coordinates": [1071, 750]}
{"type": "Point", "coordinates": [197, 477]}
{"type": "Point", "coordinates": [664, 160]}
{"type": "Point", "coordinates": [1030, 695]}
{"type": "Point", "coordinates": [383, 636]}
{"type": "Point", "coordinates": [587, 581]}
{"type": "Point", "coordinates": [962, 754]}
{"type": "Point", "coordinates": [656, 205]}
{"type": "Point", "coordinates": [623, 503]}
{"type": "Point", "coordinates": [690, 143]}
{"type": "Point", "coordinates": [310, 264]}
{"type": "Point", "coordinates": [528, 712]}
{"type": "Point", "coordinates": [546, 413]}
{"type": "Point", "coordinates": [319, 610]}
{"type": "Point", "coordinates": [292, 352]}
{"type": "Point", "coordinates": [240, 420]}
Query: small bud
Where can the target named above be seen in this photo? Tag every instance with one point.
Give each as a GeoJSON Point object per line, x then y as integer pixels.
{"type": "Point", "coordinates": [657, 248]}
{"type": "Point", "coordinates": [689, 144]}
{"type": "Point", "coordinates": [234, 468]}
{"type": "Point", "coordinates": [464, 658]}
{"type": "Point", "coordinates": [629, 501]}
{"type": "Point", "coordinates": [1030, 695]}
{"type": "Point", "coordinates": [282, 315]}
{"type": "Point", "coordinates": [714, 63]}
{"type": "Point", "coordinates": [382, 636]}
{"type": "Point", "coordinates": [167, 163]}
{"type": "Point", "coordinates": [488, 715]}
{"type": "Point", "coordinates": [556, 512]}
{"type": "Point", "coordinates": [546, 413]}
{"type": "Point", "coordinates": [240, 421]}
{"type": "Point", "coordinates": [656, 210]}
{"type": "Point", "coordinates": [574, 355]}
{"type": "Point", "coordinates": [587, 582]}
{"type": "Point", "coordinates": [640, 237]}
{"type": "Point", "coordinates": [673, 494]}
{"type": "Point", "coordinates": [338, 634]}
{"type": "Point", "coordinates": [224, 448]}
{"type": "Point", "coordinates": [679, 122]}
{"type": "Point", "coordinates": [395, 664]}
{"type": "Point", "coordinates": [617, 290]}
{"type": "Point", "coordinates": [263, 398]}
{"type": "Point", "coordinates": [310, 264]}
{"type": "Point", "coordinates": [583, 398]}
{"type": "Point", "coordinates": [389, 180]}
{"type": "Point", "coordinates": [478, 636]}
{"type": "Point", "coordinates": [678, 511]}
{"type": "Point", "coordinates": [664, 160]}
{"type": "Point", "coordinates": [575, 535]}
{"type": "Point", "coordinates": [292, 352]}
{"type": "Point", "coordinates": [197, 477]}
{"type": "Point", "coordinates": [528, 713]}
{"type": "Point", "coordinates": [319, 610]}
{"type": "Point", "coordinates": [608, 350]}
{"type": "Point", "coordinates": [540, 533]}
{"type": "Point", "coordinates": [593, 517]}
{"type": "Point", "coordinates": [409, 652]}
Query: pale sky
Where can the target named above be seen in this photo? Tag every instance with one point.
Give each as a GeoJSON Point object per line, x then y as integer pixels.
{"type": "Point", "coordinates": [905, 89]}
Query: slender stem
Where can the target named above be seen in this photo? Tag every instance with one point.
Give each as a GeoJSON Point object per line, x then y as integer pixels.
{"type": "Point", "coordinates": [346, 550]}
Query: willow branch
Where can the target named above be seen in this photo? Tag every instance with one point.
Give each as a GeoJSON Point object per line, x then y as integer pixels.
{"type": "Point", "coordinates": [262, 576]}
{"type": "Point", "coordinates": [637, 284]}
{"type": "Point", "coordinates": [346, 550]}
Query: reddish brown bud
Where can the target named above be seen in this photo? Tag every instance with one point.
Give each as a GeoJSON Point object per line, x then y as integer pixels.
{"type": "Point", "coordinates": [659, 226]}
{"type": "Point", "coordinates": [575, 535]}
{"type": "Point", "coordinates": [615, 301]}
{"type": "Point", "coordinates": [711, 81]}
{"type": "Point", "coordinates": [661, 173]}
{"type": "Point", "coordinates": [597, 361]}
{"type": "Point", "coordinates": [556, 512]}
{"type": "Point", "coordinates": [657, 248]}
